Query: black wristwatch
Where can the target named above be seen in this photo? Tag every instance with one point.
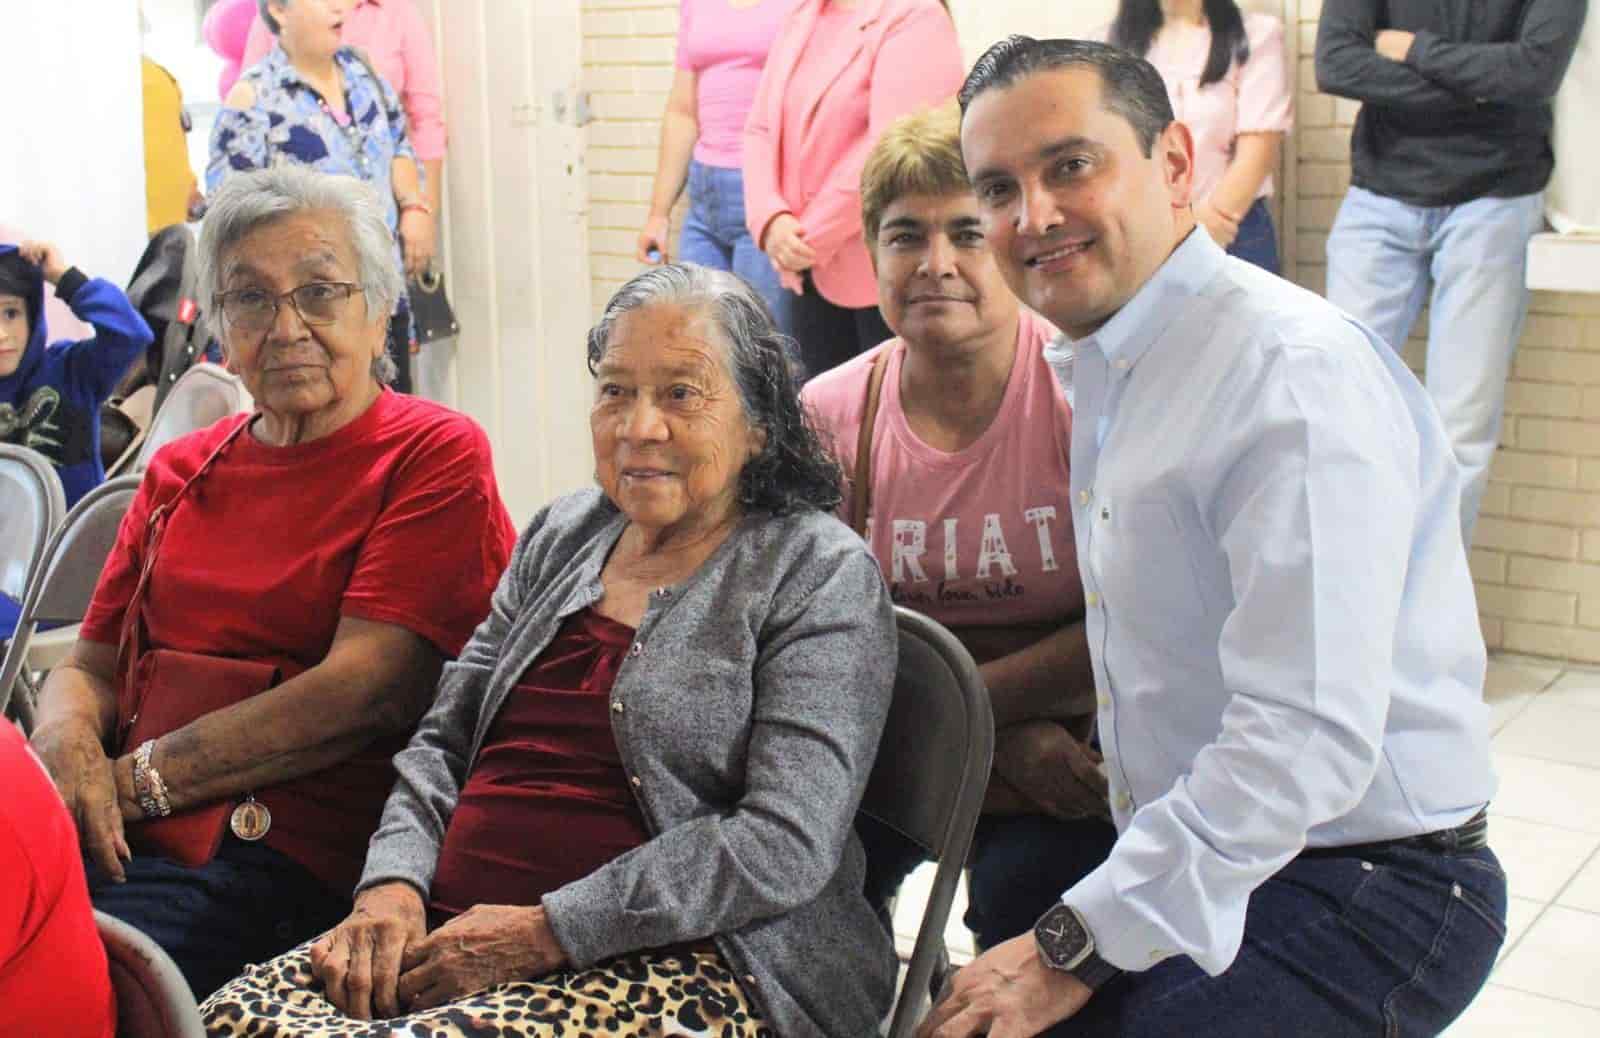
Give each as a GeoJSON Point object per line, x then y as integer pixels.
{"type": "Point", "coordinates": [1065, 944]}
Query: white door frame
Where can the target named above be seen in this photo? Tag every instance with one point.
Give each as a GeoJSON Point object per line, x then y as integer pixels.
{"type": "Point", "coordinates": [516, 237]}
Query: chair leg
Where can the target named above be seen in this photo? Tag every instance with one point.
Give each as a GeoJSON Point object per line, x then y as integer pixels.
{"type": "Point", "coordinates": [23, 698]}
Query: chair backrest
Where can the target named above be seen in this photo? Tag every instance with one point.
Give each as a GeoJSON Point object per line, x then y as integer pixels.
{"type": "Point", "coordinates": [153, 999]}
{"type": "Point", "coordinates": [68, 570]}
{"type": "Point", "coordinates": [929, 779]}
{"type": "Point", "coordinates": [206, 393]}
{"type": "Point", "coordinates": [32, 505]}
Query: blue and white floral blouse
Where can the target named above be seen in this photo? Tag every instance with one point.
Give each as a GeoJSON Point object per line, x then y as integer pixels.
{"type": "Point", "coordinates": [290, 123]}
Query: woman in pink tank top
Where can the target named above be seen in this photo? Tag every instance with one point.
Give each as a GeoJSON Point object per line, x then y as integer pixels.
{"type": "Point", "coordinates": [722, 48]}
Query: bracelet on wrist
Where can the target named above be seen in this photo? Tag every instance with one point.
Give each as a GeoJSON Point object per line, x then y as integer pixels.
{"type": "Point", "coordinates": [416, 203]}
{"type": "Point", "coordinates": [148, 787]}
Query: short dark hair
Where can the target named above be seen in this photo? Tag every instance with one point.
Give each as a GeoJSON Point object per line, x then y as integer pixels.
{"type": "Point", "coordinates": [1129, 85]}
{"type": "Point", "coordinates": [20, 278]}
{"type": "Point", "coordinates": [794, 470]}
{"type": "Point", "coordinates": [266, 15]}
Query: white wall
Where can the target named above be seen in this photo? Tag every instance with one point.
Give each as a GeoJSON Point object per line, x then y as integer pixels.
{"type": "Point", "coordinates": [72, 161]}
{"type": "Point", "coordinates": [983, 22]}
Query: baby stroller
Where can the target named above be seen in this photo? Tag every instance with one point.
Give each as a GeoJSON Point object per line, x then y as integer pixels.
{"type": "Point", "coordinates": [163, 291]}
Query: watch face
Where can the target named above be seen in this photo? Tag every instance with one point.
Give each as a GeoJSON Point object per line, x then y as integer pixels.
{"type": "Point", "coordinates": [1062, 939]}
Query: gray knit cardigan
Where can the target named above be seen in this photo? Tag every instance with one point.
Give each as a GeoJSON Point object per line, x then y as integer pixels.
{"type": "Point", "coordinates": [747, 715]}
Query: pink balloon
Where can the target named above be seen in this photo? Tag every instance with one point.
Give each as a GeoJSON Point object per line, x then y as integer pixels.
{"type": "Point", "coordinates": [225, 30]}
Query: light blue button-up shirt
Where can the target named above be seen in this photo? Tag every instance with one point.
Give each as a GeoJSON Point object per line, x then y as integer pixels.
{"type": "Point", "coordinates": [1284, 633]}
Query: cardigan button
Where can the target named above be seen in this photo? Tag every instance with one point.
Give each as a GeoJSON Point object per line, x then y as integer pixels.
{"type": "Point", "coordinates": [616, 706]}
{"type": "Point", "coordinates": [638, 648]}
{"type": "Point", "coordinates": [637, 782]}
{"type": "Point", "coordinates": [750, 978]}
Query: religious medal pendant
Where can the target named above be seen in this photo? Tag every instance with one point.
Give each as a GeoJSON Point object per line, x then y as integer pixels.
{"type": "Point", "coordinates": [251, 819]}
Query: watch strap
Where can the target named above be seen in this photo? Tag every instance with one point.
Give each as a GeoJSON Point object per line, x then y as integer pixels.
{"type": "Point", "coordinates": [1094, 971]}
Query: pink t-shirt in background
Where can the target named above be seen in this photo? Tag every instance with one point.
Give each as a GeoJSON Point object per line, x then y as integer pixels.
{"type": "Point", "coordinates": [725, 47]}
{"type": "Point", "coordinates": [982, 537]}
{"type": "Point", "coordinates": [1251, 98]}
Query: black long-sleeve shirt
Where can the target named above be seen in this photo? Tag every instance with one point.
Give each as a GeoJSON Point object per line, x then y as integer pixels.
{"type": "Point", "coordinates": [1467, 114]}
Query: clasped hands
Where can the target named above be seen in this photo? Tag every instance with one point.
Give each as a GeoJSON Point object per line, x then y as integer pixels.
{"type": "Point", "coordinates": [382, 962]}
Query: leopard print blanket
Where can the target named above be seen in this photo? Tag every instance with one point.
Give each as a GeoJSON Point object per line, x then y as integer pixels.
{"type": "Point", "coordinates": [688, 994]}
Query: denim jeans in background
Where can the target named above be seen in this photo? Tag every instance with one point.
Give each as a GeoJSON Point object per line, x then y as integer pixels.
{"type": "Point", "coordinates": [248, 904]}
{"type": "Point", "coordinates": [714, 233]}
{"type": "Point", "coordinates": [1257, 240]}
{"type": "Point", "coordinates": [1385, 257]}
{"type": "Point", "coordinates": [1392, 942]}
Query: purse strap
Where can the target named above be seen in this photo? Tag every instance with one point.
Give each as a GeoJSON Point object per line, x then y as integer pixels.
{"type": "Point", "coordinates": [861, 498]}
{"type": "Point", "coordinates": [132, 638]}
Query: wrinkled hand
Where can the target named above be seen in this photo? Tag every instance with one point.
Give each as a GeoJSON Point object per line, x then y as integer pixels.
{"type": "Point", "coordinates": [82, 772]}
{"type": "Point", "coordinates": [416, 240]}
{"type": "Point", "coordinates": [1394, 44]}
{"type": "Point", "coordinates": [1046, 764]}
{"type": "Point", "coordinates": [483, 946]}
{"type": "Point", "coordinates": [127, 799]}
{"type": "Point", "coordinates": [655, 234]}
{"type": "Point", "coordinates": [358, 961]}
{"type": "Point", "coordinates": [1007, 992]}
{"type": "Point", "coordinates": [785, 243]}
{"type": "Point", "coordinates": [1223, 227]}
{"type": "Point", "coordinates": [46, 257]}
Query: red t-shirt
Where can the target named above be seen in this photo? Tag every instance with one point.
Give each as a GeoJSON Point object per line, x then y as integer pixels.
{"type": "Point", "coordinates": [394, 518]}
{"type": "Point", "coordinates": [547, 802]}
{"type": "Point", "coordinates": [54, 981]}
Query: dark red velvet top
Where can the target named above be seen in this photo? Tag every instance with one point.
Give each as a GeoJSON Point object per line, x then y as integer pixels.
{"type": "Point", "coordinates": [547, 801]}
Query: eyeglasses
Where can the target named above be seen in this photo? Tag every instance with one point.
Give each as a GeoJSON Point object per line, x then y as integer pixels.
{"type": "Point", "coordinates": [317, 303]}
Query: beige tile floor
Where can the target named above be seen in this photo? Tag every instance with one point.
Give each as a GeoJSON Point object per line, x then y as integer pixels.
{"type": "Point", "coordinates": [1546, 829]}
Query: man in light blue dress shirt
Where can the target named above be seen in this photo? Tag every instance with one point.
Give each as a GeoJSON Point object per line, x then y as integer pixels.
{"type": "Point", "coordinates": [1283, 628]}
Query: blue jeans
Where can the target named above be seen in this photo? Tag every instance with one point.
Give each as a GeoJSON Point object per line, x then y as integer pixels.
{"type": "Point", "coordinates": [1022, 864]}
{"type": "Point", "coordinates": [714, 233]}
{"type": "Point", "coordinates": [246, 905]}
{"type": "Point", "coordinates": [1257, 240]}
{"type": "Point", "coordinates": [1384, 257]}
{"type": "Point", "coordinates": [1393, 942]}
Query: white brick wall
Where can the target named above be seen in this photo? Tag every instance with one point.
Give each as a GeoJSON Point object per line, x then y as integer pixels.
{"type": "Point", "coordinates": [1540, 529]}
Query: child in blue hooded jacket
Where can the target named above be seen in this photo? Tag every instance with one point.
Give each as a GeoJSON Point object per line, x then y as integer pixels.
{"type": "Point", "coordinates": [50, 396]}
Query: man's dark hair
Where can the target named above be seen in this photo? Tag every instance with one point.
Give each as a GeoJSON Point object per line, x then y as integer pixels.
{"type": "Point", "coordinates": [1129, 86]}
{"type": "Point", "coordinates": [20, 278]}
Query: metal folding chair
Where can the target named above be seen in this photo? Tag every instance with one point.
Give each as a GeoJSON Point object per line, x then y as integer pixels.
{"type": "Point", "coordinates": [929, 780]}
{"type": "Point", "coordinates": [153, 999]}
{"type": "Point", "coordinates": [203, 395]}
{"type": "Point", "coordinates": [32, 506]}
{"type": "Point", "coordinates": [68, 569]}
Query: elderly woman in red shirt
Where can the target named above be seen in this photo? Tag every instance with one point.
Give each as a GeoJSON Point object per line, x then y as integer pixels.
{"type": "Point", "coordinates": [279, 603]}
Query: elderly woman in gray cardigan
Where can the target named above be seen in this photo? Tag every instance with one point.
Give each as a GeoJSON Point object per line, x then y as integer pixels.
{"type": "Point", "coordinates": [629, 809]}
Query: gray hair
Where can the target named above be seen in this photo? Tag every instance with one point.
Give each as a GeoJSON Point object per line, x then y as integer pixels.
{"type": "Point", "coordinates": [794, 470]}
{"type": "Point", "coordinates": [266, 16]}
{"type": "Point", "coordinates": [247, 201]}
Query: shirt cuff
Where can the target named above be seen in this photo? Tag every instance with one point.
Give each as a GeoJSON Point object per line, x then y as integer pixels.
{"type": "Point", "coordinates": [69, 284]}
{"type": "Point", "coordinates": [428, 144]}
{"type": "Point", "coordinates": [1421, 42]}
{"type": "Point", "coordinates": [1121, 936]}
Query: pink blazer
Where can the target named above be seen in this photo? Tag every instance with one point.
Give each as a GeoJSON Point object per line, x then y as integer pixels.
{"type": "Point", "coordinates": [905, 57]}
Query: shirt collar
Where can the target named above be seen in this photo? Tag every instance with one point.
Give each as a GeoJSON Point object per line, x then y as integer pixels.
{"type": "Point", "coordinates": [1128, 335]}
{"type": "Point", "coordinates": [284, 74]}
